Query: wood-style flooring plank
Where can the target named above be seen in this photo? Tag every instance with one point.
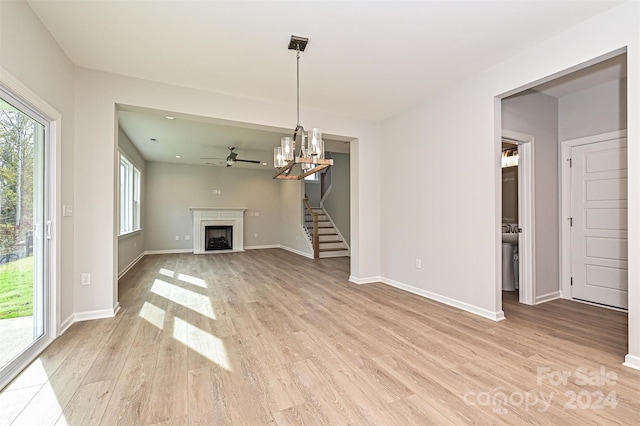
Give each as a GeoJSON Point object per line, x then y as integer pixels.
{"type": "Point", "coordinates": [269, 337]}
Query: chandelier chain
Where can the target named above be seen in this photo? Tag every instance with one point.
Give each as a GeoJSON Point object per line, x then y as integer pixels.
{"type": "Point", "coordinates": [298, 85]}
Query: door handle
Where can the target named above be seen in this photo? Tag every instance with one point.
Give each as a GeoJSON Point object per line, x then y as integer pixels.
{"type": "Point", "coordinates": [47, 230]}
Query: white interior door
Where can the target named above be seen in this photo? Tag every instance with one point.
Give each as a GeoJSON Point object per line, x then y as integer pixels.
{"type": "Point", "coordinates": [599, 228]}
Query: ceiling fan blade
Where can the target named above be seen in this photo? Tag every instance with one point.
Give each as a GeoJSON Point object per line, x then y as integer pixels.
{"type": "Point", "coordinates": [249, 161]}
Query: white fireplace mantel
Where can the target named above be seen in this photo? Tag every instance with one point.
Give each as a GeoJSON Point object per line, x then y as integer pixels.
{"type": "Point", "coordinates": [216, 216]}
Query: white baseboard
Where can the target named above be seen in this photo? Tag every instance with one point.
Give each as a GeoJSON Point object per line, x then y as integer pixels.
{"type": "Point", "coordinates": [93, 315]}
{"type": "Point", "coordinates": [64, 326]}
{"type": "Point", "coordinates": [173, 251]}
{"type": "Point", "coordinates": [268, 246]}
{"type": "Point", "coordinates": [632, 361]}
{"type": "Point", "coordinates": [131, 265]}
{"type": "Point", "coordinates": [548, 297]}
{"type": "Point", "coordinates": [292, 250]}
{"type": "Point", "coordinates": [89, 315]}
{"type": "Point", "coordinates": [494, 316]}
{"type": "Point", "coordinates": [367, 280]}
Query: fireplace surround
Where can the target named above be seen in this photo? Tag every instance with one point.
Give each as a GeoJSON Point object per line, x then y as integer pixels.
{"type": "Point", "coordinates": [216, 218]}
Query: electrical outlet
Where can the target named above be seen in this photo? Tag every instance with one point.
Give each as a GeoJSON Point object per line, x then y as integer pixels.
{"type": "Point", "coordinates": [177, 237]}
{"type": "Point", "coordinates": [67, 210]}
{"type": "Point", "coordinates": [257, 214]}
{"type": "Point", "coordinates": [85, 279]}
{"type": "Point", "coordinates": [418, 264]}
{"type": "Point", "coordinates": [187, 237]}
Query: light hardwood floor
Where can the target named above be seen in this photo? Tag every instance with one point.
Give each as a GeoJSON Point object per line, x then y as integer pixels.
{"type": "Point", "coordinates": [252, 338]}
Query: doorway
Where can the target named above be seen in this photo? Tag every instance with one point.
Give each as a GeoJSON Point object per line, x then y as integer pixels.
{"type": "Point", "coordinates": [518, 229]}
{"type": "Point", "coordinates": [25, 234]}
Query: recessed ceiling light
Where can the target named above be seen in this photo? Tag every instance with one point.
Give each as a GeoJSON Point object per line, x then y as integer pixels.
{"type": "Point", "coordinates": [264, 164]}
{"type": "Point", "coordinates": [178, 156]}
{"type": "Point", "coordinates": [169, 117]}
{"type": "Point", "coordinates": [153, 140]}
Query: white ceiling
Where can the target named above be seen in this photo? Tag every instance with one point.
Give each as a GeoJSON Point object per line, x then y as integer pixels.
{"type": "Point", "coordinates": [365, 59]}
{"type": "Point", "coordinates": [193, 137]}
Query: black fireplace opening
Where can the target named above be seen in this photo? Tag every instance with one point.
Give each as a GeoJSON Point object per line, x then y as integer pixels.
{"type": "Point", "coordinates": [218, 238]}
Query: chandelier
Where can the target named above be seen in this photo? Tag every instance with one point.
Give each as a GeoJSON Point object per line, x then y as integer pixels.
{"type": "Point", "coordinates": [310, 157]}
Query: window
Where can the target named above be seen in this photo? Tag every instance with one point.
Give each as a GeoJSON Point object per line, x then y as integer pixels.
{"type": "Point", "coordinates": [129, 196]}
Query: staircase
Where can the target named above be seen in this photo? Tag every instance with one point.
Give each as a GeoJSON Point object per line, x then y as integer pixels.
{"type": "Point", "coordinates": [330, 242]}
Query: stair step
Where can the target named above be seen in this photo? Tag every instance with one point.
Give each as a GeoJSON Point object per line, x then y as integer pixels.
{"type": "Point", "coordinates": [330, 241]}
{"type": "Point", "coordinates": [332, 249]}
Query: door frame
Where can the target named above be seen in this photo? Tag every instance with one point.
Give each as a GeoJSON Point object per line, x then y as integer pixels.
{"type": "Point", "coordinates": [53, 205]}
{"type": "Point", "coordinates": [565, 207]}
{"type": "Point", "coordinates": [526, 203]}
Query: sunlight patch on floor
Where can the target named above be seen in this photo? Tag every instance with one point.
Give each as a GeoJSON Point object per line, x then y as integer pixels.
{"type": "Point", "coordinates": [167, 272]}
{"type": "Point", "coordinates": [201, 342]}
{"type": "Point", "coordinates": [43, 409]}
{"type": "Point", "coordinates": [187, 298]}
{"type": "Point", "coordinates": [192, 280]}
{"type": "Point", "coordinates": [153, 314]}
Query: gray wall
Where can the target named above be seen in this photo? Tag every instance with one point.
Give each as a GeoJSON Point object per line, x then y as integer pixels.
{"type": "Point", "coordinates": [291, 234]}
{"type": "Point", "coordinates": [173, 188]}
{"type": "Point", "coordinates": [312, 189]}
{"type": "Point", "coordinates": [597, 110]}
{"type": "Point", "coordinates": [536, 114]}
{"type": "Point", "coordinates": [132, 245]}
{"type": "Point", "coordinates": [337, 201]}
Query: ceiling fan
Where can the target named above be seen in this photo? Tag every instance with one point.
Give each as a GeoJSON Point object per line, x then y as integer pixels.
{"type": "Point", "coordinates": [231, 158]}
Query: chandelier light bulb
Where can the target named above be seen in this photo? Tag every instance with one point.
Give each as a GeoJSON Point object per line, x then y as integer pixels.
{"type": "Point", "coordinates": [288, 146]}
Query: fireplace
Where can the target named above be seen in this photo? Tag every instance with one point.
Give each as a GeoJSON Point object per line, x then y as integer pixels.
{"type": "Point", "coordinates": [218, 238]}
{"type": "Point", "coordinates": [217, 241]}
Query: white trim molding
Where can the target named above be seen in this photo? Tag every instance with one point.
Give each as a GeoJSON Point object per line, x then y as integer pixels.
{"type": "Point", "coordinates": [493, 316]}
{"type": "Point", "coordinates": [98, 314]}
{"type": "Point", "coordinates": [526, 209]}
{"type": "Point", "coordinates": [215, 216]}
{"type": "Point", "coordinates": [548, 297]}
{"type": "Point", "coordinates": [131, 265]}
{"type": "Point", "coordinates": [366, 280]}
{"type": "Point", "coordinates": [292, 250]}
{"type": "Point", "coordinates": [632, 361]}
{"type": "Point", "coordinates": [267, 246]}
{"type": "Point", "coordinates": [64, 326]}
{"type": "Point", "coordinates": [170, 251]}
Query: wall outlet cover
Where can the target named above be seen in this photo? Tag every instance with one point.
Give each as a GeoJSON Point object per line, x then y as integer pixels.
{"type": "Point", "coordinates": [85, 279]}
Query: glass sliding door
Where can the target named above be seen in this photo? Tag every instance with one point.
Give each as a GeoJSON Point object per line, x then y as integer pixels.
{"type": "Point", "coordinates": [24, 233]}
